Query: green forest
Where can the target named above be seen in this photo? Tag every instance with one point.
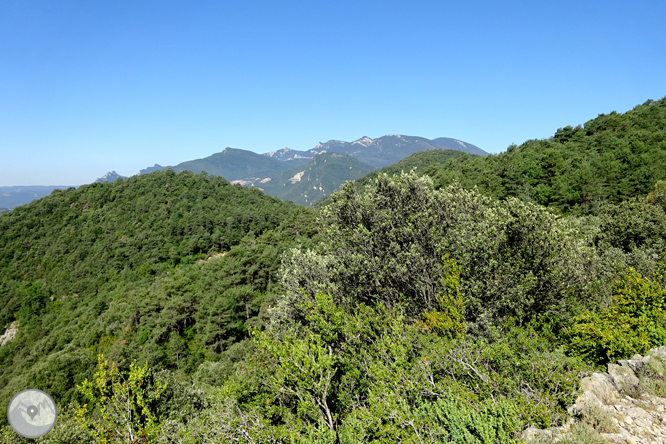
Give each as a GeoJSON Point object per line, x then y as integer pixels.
{"type": "Point", "coordinates": [450, 298]}
{"type": "Point", "coordinates": [609, 159]}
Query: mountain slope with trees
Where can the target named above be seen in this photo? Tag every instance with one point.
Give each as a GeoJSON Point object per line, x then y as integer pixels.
{"type": "Point", "coordinates": [166, 268]}
{"type": "Point", "coordinates": [234, 164]}
{"type": "Point", "coordinates": [607, 160]}
{"type": "Point", "coordinates": [422, 162]}
{"type": "Point", "coordinates": [309, 183]}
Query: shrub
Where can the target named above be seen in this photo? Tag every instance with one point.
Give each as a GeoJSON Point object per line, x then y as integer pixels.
{"type": "Point", "coordinates": [121, 405]}
{"type": "Point", "coordinates": [635, 322]}
{"type": "Point", "coordinates": [386, 245]}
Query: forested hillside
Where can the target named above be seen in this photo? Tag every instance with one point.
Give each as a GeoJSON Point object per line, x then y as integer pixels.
{"type": "Point", "coordinates": [607, 160]}
{"type": "Point", "coordinates": [422, 162]}
{"type": "Point", "coordinates": [165, 268]}
{"type": "Point", "coordinates": [177, 308]}
{"type": "Point", "coordinates": [235, 164]}
{"type": "Point", "coordinates": [315, 180]}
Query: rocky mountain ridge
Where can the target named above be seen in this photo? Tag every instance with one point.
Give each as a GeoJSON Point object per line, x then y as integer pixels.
{"type": "Point", "coordinates": [379, 152]}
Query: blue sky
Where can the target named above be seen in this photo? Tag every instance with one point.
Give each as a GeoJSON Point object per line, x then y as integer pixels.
{"type": "Point", "coordinates": [92, 86]}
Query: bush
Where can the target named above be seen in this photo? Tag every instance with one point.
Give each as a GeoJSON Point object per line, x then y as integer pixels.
{"type": "Point", "coordinates": [635, 322]}
{"type": "Point", "coordinates": [121, 405]}
{"type": "Point", "coordinates": [386, 245]}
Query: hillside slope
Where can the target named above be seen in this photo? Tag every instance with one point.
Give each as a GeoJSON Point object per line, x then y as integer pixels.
{"type": "Point", "coordinates": [234, 164]}
{"type": "Point", "coordinates": [312, 182]}
{"type": "Point", "coordinates": [421, 162]}
{"type": "Point", "coordinates": [608, 159]}
{"type": "Point", "coordinates": [165, 267]}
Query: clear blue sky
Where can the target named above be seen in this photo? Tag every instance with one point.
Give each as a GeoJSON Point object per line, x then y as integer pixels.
{"type": "Point", "coordinates": [92, 86]}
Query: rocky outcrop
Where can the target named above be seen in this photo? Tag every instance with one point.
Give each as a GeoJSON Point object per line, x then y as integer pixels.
{"type": "Point", "coordinates": [625, 405]}
{"type": "Point", "coordinates": [10, 333]}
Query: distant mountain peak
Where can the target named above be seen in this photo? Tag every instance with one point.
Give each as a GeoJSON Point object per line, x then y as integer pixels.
{"type": "Point", "coordinates": [281, 151]}
{"type": "Point", "coordinates": [286, 154]}
{"type": "Point", "coordinates": [364, 141]}
{"type": "Point", "coordinates": [111, 176]}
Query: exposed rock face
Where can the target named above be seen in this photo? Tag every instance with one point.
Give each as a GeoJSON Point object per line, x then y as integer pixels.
{"type": "Point", "coordinates": [622, 405]}
{"type": "Point", "coordinates": [10, 333]}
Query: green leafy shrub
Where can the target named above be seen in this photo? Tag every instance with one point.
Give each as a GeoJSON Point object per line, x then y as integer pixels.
{"type": "Point", "coordinates": [371, 374]}
{"type": "Point", "coordinates": [631, 224]}
{"type": "Point", "coordinates": [634, 323]}
{"type": "Point", "coordinates": [120, 405]}
{"type": "Point", "coordinates": [448, 318]}
{"type": "Point", "coordinates": [386, 245]}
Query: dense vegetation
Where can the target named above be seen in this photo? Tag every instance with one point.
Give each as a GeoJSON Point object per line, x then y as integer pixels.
{"type": "Point", "coordinates": [315, 180]}
{"type": "Point", "coordinates": [422, 162]}
{"type": "Point", "coordinates": [235, 164]}
{"type": "Point", "coordinates": [607, 160]}
{"type": "Point", "coordinates": [410, 310]}
{"type": "Point", "coordinates": [133, 269]}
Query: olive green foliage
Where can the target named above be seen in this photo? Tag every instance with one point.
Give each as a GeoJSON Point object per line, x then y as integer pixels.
{"type": "Point", "coordinates": [448, 318]}
{"type": "Point", "coordinates": [609, 159]}
{"type": "Point", "coordinates": [630, 225]}
{"type": "Point", "coordinates": [634, 323]}
{"type": "Point", "coordinates": [658, 195]}
{"type": "Point", "coordinates": [387, 244]}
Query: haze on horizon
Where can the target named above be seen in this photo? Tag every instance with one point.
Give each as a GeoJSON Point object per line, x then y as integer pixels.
{"type": "Point", "coordinates": [86, 88]}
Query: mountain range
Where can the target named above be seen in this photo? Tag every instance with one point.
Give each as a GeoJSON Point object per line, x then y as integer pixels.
{"type": "Point", "coordinates": [111, 176]}
{"type": "Point", "coordinates": [305, 177]}
{"type": "Point", "coordinates": [379, 152]}
{"type": "Point", "coordinates": [301, 176]}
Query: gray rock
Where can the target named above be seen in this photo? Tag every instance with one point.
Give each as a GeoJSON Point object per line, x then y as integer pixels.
{"type": "Point", "coordinates": [623, 376]}
{"type": "Point", "coordinates": [638, 419]}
